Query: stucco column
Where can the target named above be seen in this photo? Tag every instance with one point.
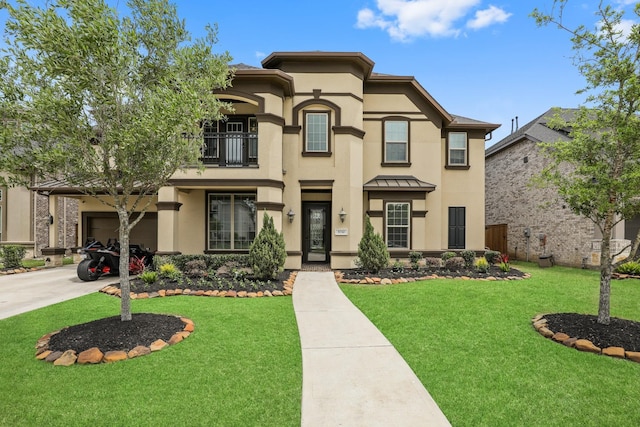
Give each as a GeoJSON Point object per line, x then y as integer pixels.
{"type": "Point", "coordinates": [168, 207]}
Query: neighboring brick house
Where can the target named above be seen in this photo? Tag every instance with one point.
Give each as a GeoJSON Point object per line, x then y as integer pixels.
{"type": "Point", "coordinates": [317, 140]}
{"type": "Point", "coordinates": [514, 204]}
{"type": "Point", "coordinates": [27, 219]}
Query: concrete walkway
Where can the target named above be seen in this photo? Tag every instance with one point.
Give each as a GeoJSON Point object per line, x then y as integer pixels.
{"type": "Point", "coordinates": [24, 292]}
{"type": "Point", "coordinates": [352, 375]}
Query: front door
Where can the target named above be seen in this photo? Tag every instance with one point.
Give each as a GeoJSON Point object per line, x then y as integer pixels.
{"type": "Point", "coordinates": [316, 231]}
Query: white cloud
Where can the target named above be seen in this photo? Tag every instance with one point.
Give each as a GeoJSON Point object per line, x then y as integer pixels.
{"type": "Point", "coordinates": [487, 17]}
{"type": "Point", "coordinates": [623, 28]}
{"type": "Point", "coordinates": [408, 19]}
{"type": "Point", "coordinates": [260, 55]}
{"type": "Point", "coordinates": [625, 2]}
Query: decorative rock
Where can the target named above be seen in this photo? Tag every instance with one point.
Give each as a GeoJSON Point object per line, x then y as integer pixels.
{"type": "Point", "coordinates": [560, 337]}
{"type": "Point", "coordinates": [158, 345]}
{"type": "Point", "coordinates": [267, 294]}
{"type": "Point", "coordinates": [198, 293]}
{"type": "Point", "coordinates": [586, 345]}
{"type": "Point", "coordinates": [633, 355]}
{"type": "Point", "coordinates": [170, 292]}
{"type": "Point", "coordinates": [242, 294]}
{"type": "Point", "coordinates": [143, 295]}
{"type": "Point", "coordinates": [260, 294]}
{"type": "Point", "coordinates": [92, 355]}
{"type": "Point", "coordinates": [222, 294]}
{"type": "Point", "coordinates": [252, 294]}
{"type": "Point", "coordinates": [189, 327]}
{"type": "Point", "coordinates": [177, 292]}
{"type": "Point", "coordinates": [385, 281]}
{"type": "Point", "coordinates": [545, 332]}
{"type": "Point", "coordinates": [154, 295]}
{"type": "Point", "coordinates": [138, 351]}
{"type": "Point", "coordinates": [215, 293]}
{"type": "Point", "coordinates": [175, 339]}
{"type": "Point", "coordinates": [538, 317]}
{"type": "Point", "coordinates": [52, 357]}
{"type": "Point", "coordinates": [68, 358]}
{"type": "Point", "coordinates": [162, 292]}
{"type": "Point", "coordinates": [114, 356]}
{"type": "Point", "coordinates": [277, 293]}
{"type": "Point", "coordinates": [43, 355]}
{"type": "Point", "coordinates": [570, 342]}
{"type": "Point", "coordinates": [231, 294]}
{"type": "Point", "coordinates": [614, 352]}
{"type": "Point", "coordinates": [287, 292]}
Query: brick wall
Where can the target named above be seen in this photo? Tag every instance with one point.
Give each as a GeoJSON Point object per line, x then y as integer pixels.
{"type": "Point", "coordinates": [67, 221]}
{"type": "Point", "coordinates": [511, 199]}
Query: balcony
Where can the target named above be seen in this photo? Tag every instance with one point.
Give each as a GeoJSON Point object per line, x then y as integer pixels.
{"type": "Point", "coordinates": [230, 149]}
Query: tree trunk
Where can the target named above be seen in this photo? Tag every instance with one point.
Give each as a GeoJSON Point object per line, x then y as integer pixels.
{"type": "Point", "coordinates": [125, 298]}
{"type": "Point", "coordinates": [606, 269]}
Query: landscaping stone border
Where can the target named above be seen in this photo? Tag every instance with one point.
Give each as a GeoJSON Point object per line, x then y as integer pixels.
{"type": "Point", "coordinates": [540, 325]}
{"type": "Point", "coordinates": [19, 270]}
{"type": "Point", "coordinates": [95, 356]}
{"type": "Point", "coordinates": [386, 281]}
{"type": "Point", "coordinates": [286, 291]}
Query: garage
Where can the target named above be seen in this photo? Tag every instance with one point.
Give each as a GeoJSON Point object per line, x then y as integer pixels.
{"type": "Point", "coordinates": [103, 226]}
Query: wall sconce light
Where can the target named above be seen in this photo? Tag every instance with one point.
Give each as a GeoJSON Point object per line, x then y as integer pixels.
{"type": "Point", "coordinates": [290, 215]}
{"type": "Point", "coordinates": [342, 215]}
{"type": "Point", "coordinates": [50, 219]}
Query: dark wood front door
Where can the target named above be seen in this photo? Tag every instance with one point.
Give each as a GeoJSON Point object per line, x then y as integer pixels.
{"type": "Point", "coordinates": [316, 233]}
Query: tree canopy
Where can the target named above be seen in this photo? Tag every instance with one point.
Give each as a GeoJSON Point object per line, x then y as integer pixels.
{"type": "Point", "coordinates": [597, 171]}
{"type": "Point", "coordinates": [111, 103]}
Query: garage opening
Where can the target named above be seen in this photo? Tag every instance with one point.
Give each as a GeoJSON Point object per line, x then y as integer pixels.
{"type": "Point", "coordinates": [103, 226]}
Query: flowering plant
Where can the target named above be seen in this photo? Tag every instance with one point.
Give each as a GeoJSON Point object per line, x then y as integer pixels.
{"type": "Point", "coordinates": [504, 263]}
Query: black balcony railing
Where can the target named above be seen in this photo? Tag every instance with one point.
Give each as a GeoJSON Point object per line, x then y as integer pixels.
{"type": "Point", "coordinates": [230, 149]}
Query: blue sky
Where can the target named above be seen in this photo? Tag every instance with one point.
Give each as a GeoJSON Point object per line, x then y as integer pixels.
{"type": "Point", "coordinates": [481, 59]}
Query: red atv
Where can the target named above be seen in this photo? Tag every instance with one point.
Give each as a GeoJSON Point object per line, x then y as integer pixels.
{"type": "Point", "coordinates": [101, 260]}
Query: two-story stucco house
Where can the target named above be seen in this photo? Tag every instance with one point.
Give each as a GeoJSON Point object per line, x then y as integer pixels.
{"type": "Point", "coordinates": [318, 140]}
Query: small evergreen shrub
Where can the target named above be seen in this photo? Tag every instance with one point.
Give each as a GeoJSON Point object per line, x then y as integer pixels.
{"type": "Point", "coordinates": [148, 277]}
{"type": "Point", "coordinates": [414, 259]}
{"type": "Point", "coordinates": [454, 264]}
{"type": "Point", "coordinates": [12, 255]}
{"type": "Point", "coordinates": [447, 255]}
{"type": "Point", "coordinates": [433, 262]}
{"type": "Point", "coordinates": [482, 265]}
{"type": "Point", "coordinates": [267, 252]}
{"type": "Point", "coordinates": [169, 271]}
{"type": "Point", "coordinates": [492, 257]}
{"type": "Point", "coordinates": [196, 268]}
{"type": "Point", "coordinates": [398, 266]}
{"type": "Point", "coordinates": [373, 254]}
{"type": "Point", "coordinates": [629, 267]}
{"type": "Point", "coordinates": [469, 257]}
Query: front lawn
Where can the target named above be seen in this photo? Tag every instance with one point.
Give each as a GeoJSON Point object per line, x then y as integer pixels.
{"type": "Point", "coordinates": [240, 367]}
{"type": "Point", "coordinates": [472, 344]}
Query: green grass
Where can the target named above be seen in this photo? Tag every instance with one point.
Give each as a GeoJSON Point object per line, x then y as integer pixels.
{"type": "Point", "coordinates": [35, 262]}
{"type": "Point", "coordinates": [473, 347]}
{"type": "Point", "coordinates": [241, 367]}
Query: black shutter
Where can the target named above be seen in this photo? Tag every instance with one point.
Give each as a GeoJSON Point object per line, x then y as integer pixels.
{"type": "Point", "coordinates": [457, 227]}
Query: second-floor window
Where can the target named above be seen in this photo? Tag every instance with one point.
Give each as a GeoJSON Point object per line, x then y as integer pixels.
{"type": "Point", "coordinates": [316, 132]}
{"type": "Point", "coordinates": [457, 155]}
{"type": "Point", "coordinates": [396, 141]}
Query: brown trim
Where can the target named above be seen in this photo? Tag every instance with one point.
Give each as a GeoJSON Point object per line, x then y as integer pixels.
{"type": "Point", "coordinates": [375, 214]}
{"type": "Point", "coordinates": [419, 214]}
{"type": "Point", "coordinates": [401, 194]}
{"type": "Point", "coordinates": [253, 183]}
{"type": "Point", "coordinates": [355, 63]}
{"type": "Point", "coordinates": [294, 253]}
{"type": "Point", "coordinates": [343, 253]}
{"type": "Point", "coordinates": [53, 251]}
{"type": "Point", "coordinates": [225, 251]}
{"type": "Point", "coordinates": [259, 80]}
{"type": "Point", "coordinates": [330, 106]}
{"type": "Point", "coordinates": [460, 168]}
{"type": "Point", "coordinates": [446, 160]}
{"type": "Point", "coordinates": [326, 153]}
{"type": "Point", "coordinates": [349, 130]}
{"type": "Point", "coordinates": [291, 130]}
{"type": "Point", "coordinates": [397, 113]}
{"type": "Point", "coordinates": [162, 253]}
{"type": "Point", "coordinates": [168, 206]}
{"type": "Point", "coordinates": [395, 165]}
{"type": "Point", "coordinates": [269, 118]}
{"type": "Point", "coordinates": [270, 206]}
{"type": "Point", "coordinates": [341, 94]}
{"type": "Point", "coordinates": [316, 183]}
{"type": "Point", "coordinates": [246, 94]}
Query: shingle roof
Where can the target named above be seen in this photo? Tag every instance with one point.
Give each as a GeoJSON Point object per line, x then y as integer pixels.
{"type": "Point", "coordinates": [536, 130]}
{"type": "Point", "coordinates": [398, 182]}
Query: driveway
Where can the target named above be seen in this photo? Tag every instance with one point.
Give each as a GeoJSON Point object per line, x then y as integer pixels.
{"type": "Point", "coordinates": [24, 292]}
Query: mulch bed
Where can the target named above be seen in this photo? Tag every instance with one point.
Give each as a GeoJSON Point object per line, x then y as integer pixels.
{"type": "Point", "coordinates": [494, 273]}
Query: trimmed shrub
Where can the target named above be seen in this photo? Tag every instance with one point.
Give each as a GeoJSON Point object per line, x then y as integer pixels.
{"type": "Point", "coordinates": [482, 265]}
{"type": "Point", "coordinates": [492, 257]}
{"type": "Point", "coordinates": [148, 277]}
{"type": "Point", "coordinates": [169, 271]}
{"type": "Point", "coordinates": [433, 262]}
{"type": "Point", "coordinates": [454, 264]}
{"type": "Point", "coordinates": [469, 257]}
{"type": "Point", "coordinates": [629, 267]}
{"type": "Point", "coordinates": [414, 259]}
{"type": "Point", "coordinates": [373, 254]}
{"type": "Point", "coordinates": [267, 253]}
{"type": "Point", "coordinates": [447, 255]}
{"type": "Point", "coordinates": [12, 255]}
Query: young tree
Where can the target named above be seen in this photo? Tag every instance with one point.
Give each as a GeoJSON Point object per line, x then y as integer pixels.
{"type": "Point", "coordinates": [105, 101]}
{"type": "Point", "coordinates": [598, 172]}
{"type": "Point", "coordinates": [373, 254]}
